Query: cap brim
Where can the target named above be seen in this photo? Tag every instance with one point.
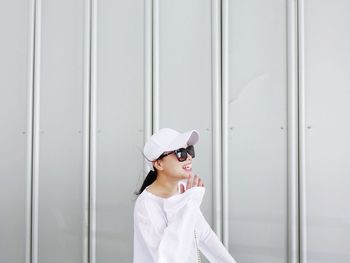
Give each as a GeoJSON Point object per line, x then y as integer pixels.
{"type": "Point", "coordinates": [186, 138]}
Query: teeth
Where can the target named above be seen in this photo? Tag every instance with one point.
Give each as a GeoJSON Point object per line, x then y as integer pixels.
{"type": "Point", "coordinates": [187, 167]}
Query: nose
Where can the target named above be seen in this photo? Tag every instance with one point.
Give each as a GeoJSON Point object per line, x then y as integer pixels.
{"type": "Point", "coordinates": [189, 157]}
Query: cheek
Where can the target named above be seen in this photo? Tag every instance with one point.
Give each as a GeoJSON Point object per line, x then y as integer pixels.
{"type": "Point", "coordinates": [181, 171]}
{"type": "Point", "coordinates": [175, 168]}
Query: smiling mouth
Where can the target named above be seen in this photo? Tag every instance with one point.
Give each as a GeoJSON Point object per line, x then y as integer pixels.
{"type": "Point", "coordinates": [187, 167]}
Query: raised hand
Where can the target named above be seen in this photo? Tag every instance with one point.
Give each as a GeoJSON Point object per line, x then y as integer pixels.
{"type": "Point", "coordinates": [192, 181]}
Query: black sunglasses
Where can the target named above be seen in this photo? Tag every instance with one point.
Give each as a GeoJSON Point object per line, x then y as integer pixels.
{"type": "Point", "coordinates": [181, 154]}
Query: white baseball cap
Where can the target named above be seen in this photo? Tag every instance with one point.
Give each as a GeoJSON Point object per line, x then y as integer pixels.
{"type": "Point", "coordinates": [165, 140]}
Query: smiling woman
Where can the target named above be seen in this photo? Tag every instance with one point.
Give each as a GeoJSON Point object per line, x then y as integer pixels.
{"type": "Point", "coordinates": [168, 223]}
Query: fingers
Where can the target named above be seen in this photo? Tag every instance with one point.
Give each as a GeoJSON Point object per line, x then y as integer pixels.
{"type": "Point", "coordinates": [193, 181]}
{"type": "Point", "coordinates": [189, 182]}
{"type": "Point", "coordinates": [182, 188]}
{"type": "Point", "coordinates": [200, 182]}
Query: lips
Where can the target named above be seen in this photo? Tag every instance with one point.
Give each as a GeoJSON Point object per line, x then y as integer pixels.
{"type": "Point", "coordinates": [187, 167]}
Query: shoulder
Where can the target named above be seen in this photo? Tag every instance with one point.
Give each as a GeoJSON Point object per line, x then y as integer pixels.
{"type": "Point", "coordinates": [148, 212]}
{"type": "Point", "coordinates": [140, 201]}
{"type": "Point", "coordinates": [144, 203]}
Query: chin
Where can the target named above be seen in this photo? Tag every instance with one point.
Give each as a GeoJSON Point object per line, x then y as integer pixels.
{"type": "Point", "coordinates": [186, 175]}
{"type": "Point", "coordinates": [183, 176]}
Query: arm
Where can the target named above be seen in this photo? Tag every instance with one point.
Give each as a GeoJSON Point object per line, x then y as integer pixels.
{"type": "Point", "coordinates": [174, 243]}
{"type": "Point", "coordinates": [209, 244]}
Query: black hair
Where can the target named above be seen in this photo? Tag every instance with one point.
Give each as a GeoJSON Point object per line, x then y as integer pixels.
{"type": "Point", "coordinates": [150, 178]}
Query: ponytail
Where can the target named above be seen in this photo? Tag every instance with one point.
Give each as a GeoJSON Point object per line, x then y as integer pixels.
{"type": "Point", "coordinates": [150, 178]}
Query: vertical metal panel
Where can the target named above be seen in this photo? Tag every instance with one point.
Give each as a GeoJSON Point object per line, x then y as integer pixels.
{"type": "Point", "coordinates": [30, 126]}
{"type": "Point", "coordinates": [86, 131]}
{"type": "Point", "coordinates": [119, 84]}
{"type": "Point", "coordinates": [93, 131]}
{"type": "Point", "coordinates": [326, 129]}
{"type": "Point", "coordinates": [185, 80]}
{"type": "Point", "coordinates": [216, 86]}
{"type": "Point", "coordinates": [156, 67]}
{"type": "Point", "coordinates": [148, 72]}
{"type": "Point", "coordinates": [36, 131]}
{"type": "Point", "coordinates": [293, 190]}
{"type": "Point", "coordinates": [257, 137]}
{"type": "Point", "coordinates": [224, 106]}
{"type": "Point", "coordinates": [60, 175]}
{"type": "Point", "coordinates": [302, 125]}
{"type": "Point", "coordinates": [16, 52]}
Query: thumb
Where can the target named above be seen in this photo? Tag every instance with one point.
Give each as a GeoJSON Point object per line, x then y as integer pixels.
{"type": "Point", "coordinates": [182, 188]}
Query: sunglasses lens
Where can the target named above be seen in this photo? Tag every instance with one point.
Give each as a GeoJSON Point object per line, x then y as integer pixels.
{"type": "Point", "coordinates": [181, 154]}
{"type": "Point", "coordinates": [190, 150]}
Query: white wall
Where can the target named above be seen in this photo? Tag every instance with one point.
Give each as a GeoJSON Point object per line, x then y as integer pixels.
{"type": "Point", "coordinates": [256, 75]}
{"type": "Point", "coordinates": [16, 65]}
{"type": "Point", "coordinates": [325, 85]}
{"type": "Point", "coordinates": [83, 83]}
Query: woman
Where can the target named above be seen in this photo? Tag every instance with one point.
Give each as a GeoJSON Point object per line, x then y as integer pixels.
{"type": "Point", "coordinates": [168, 224]}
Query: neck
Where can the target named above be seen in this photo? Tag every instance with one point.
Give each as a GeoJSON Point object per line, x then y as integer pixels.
{"type": "Point", "coordinates": [163, 187]}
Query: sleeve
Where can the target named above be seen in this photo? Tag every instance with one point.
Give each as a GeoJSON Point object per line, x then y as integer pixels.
{"type": "Point", "coordinates": [174, 244]}
{"type": "Point", "coordinates": [209, 244]}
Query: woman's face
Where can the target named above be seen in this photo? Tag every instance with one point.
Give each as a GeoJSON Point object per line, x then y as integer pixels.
{"type": "Point", "coordinates": [174, 168]}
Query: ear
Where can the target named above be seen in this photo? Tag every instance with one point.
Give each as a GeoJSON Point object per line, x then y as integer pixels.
{"type": "Point", "coordinates": [158, 164]}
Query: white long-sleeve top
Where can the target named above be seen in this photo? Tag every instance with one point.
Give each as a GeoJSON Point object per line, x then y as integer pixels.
{"type": "Point", "coordinates": [164, 230]}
